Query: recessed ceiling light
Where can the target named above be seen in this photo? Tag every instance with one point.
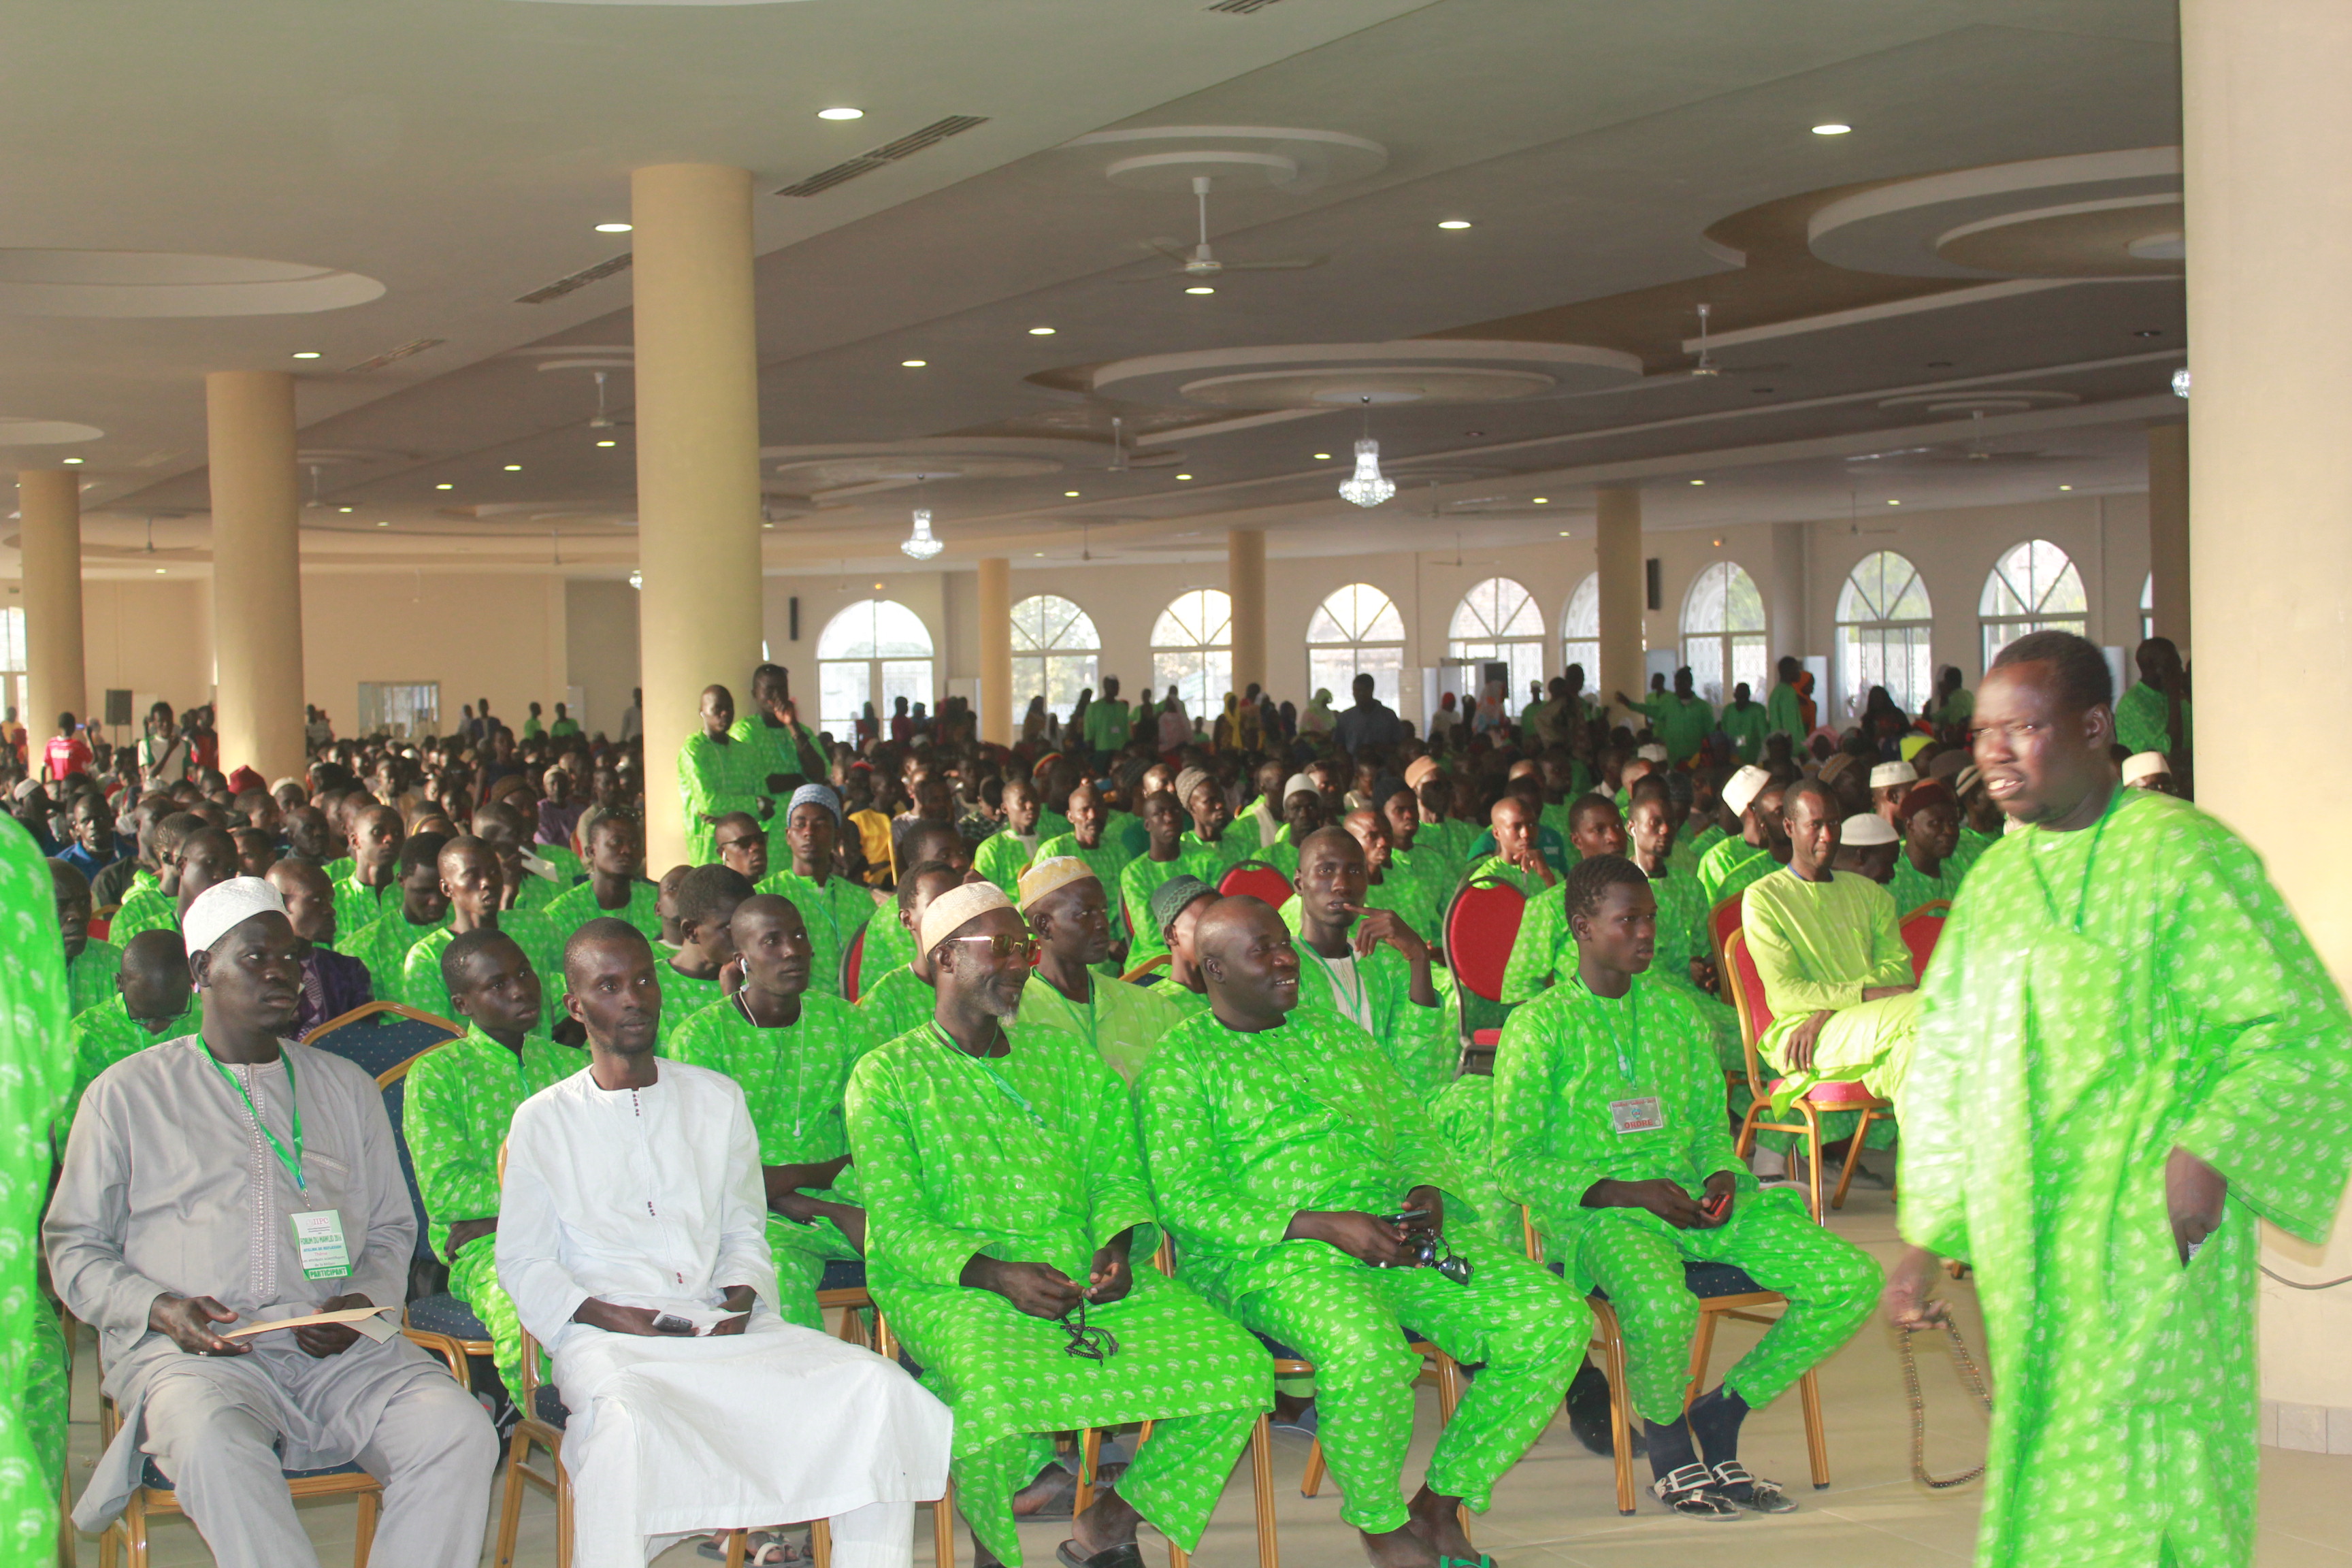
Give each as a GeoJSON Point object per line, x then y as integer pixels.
{"type": "Point", "coordinates": [1563, 534]}
{"type": "Point", "coordinates": [514, 468]}
{"type": "Point", "coordinates": [1322, 456]}
{"type": "Point", "coordinates": [381, 523]}
{"type": "Point", "coordinates": [605, 443]}
{"type": "Point", "coordinates": [342, 508]}
{"type": "Point", "coordinates": [1200, 289]}
{"type": "Point", "coordinates": [767, 525]}
{"type": "Point", "coordinates": [2065, 487]}
{"type": "Point", "coordinates": [74, 462]}
{"type": "Point", "coordinates": [306, 354]}
{"type": "Point", "coordinates": [444, 487]}
{"type": "Point", "coordinates": [841, 113]}
{"type": "Point", "coordinates": [1454, 223]}
{"type": "Point", "coordinates": [1037, 555]}
{"type": "Point", "coordinates": [614, 227]}
{"type": "Point", "coordinates": [159, 571]}
{"type": "Point", "coordinates": [913, 363]}
{"type": "Point", "coordinates": [1543, 500]}
{"type": "Point", "coordinates": [1183, 476]}
{"type": "Point", "coordinates": [1699, 481]}
{"type": "Point", "coordinates": [1069, 493]}
{"type": "Point", "coordinates": [1893, 503]}
{"type": "Point", "coordinates": [1832, 128]}
{"type": "Point", "coordinates": [1041, 331]}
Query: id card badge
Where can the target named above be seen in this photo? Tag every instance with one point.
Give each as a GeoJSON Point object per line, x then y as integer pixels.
{"type": "Point", "coordinates": [1644, 1113]}
{"type": "Point", "coordinates": [319, 1239]}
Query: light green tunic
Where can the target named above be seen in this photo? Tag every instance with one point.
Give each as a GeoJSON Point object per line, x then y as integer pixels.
{"type": "Point", "coordinates": [1682, 724]}
{"type": "Point", "coordinates": [1726, 871]}
{"type": "Point", "coordinates": [2098, 999]}
{"type": "Point", "coordinates": [1410, 900]}
{"type": "Point", "coordinates": [793, 1079]}
{"type": "Point", "coordinates": [713, 781]}
{"type": "Point", "coordinates": [682, 997]}
{"type": "Point", "coordinates": [571, 910]}
{"type": "Point", "coordinates": [1375, 994]}
{"type": "Point", "coordinates": [1001, 858]}
{"type": "Point", "coordinates": [144, 908]}
{"type": "Point", "coordinates": [889, 946]}
{"type": "Point", "coordinates": [90, 973]}
{"type": "Point", "coordinates": [1137, 883]}
{"type": "Point", "coordinates": [900, 1001]}
{"type": "Point", "coordinates": [420, 971]}
{"type": "Point", "coordinates": [1106, 861]}
{"type": "Point", "coordinates": [2140, 721]}
{"type": "Point", "coordinates": [1817, 947]}
{"type": "Point", "coordinates": [1121, 1021]}
{"type": "Point", "coordinates": [834, 912]}
{"type": "Point", "coordinates": [1912, 887]}
{"type": "Point", "coordinates": [1784, 714]}
{"type": "Point", "coordinates": [383, 945]}
{"type": "Point", "coordinates": [1544, 955]}
{"type": "Point", "coordinates": [358, 907]}
{"type": "Point", "coordinates": [1209, 862]}
{"type": "Point", "coordinates": [1529, 885]}
{"type": "Point", "coordinates": [1747, 727]}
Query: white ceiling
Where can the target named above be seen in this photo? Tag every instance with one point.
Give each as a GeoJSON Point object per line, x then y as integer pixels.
{"type": "Point", "coordinates": [461, 151]}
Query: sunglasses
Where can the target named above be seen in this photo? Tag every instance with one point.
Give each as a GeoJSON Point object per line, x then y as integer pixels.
{"type": "Point", "coordinates": [1004, 944]}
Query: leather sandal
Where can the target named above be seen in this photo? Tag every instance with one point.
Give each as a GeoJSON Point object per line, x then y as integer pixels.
{"type": "Point", "coordinates": [1736, 1485]}
{"type": "Point", "coordinates": [1690, 1492]}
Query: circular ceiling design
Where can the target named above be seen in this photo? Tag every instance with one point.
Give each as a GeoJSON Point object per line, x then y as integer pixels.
{"type": "Point", "coordinates": [826, 475]}
{"type": "Point", "coordinates": [1168, 157]}
{"type": "Point", "coordinates": [149, 283]}
{"type": "Point", "coordinates": [2093, 215]}
{"type": "Point", "coordinates": [1351, 376]}
{"type": "Point", "coordinates": [1998, 400]}
{"type": "Point", "coordinates": [17, 432]}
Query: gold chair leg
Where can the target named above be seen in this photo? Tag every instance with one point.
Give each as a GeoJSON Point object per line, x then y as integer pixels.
{"type": "Point", "coordinates": [1853, 1158]}
{"type": "Point", "coordinates": [363, 1532]}
{"type": "Point", "coordinates": [1449, 1388]}
{"type": "Point", "coordinates": [821, 1542]}
{"type": "Point", "coordinates": [1620, 1414]}
{"type": "Point", "coordinates": [1813, 1162]}
{"type": "Point", "coordinates": [1269, 1548]}
{"type": "Point", "coordinates": [1702, 1352]}
{"type": "Point", "coordinates": [562, 1513]}
{"type": "Point", "coordinates": [944, 1553]}
{"type": "Point", "coordinates": [1817, 1442]}
{"type": "Point", "coordinates": [1311, 1483]}
{"type": "Point", "coordinates": [736, 1543]}
{"type": "Point", "coordinates": [1089, 1457]}
{"type": "Point", "coordinates": [510, 1506]}
{"type": "Point", "coordinates": [110, 1545]}
{"type": "Point", "coordinates": [134, 1535]}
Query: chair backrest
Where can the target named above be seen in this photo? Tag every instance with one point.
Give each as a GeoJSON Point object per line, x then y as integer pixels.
{"type": "Point", "coordinates": [1746, 983]}
{"type": "Point", "coordinates": [853, 962]}
{"type": "Point", "coordinates": [102, 921]}
{"type": "Point", "coordinates": [1920, 929]}
{"type": "Point", "coordinates": [1481, 923]}
{"type": "Point", "coordinates": [392, 1083]}
{"type": "Point", "coordinates": [381, 1035]}
{"type": "Point", "coordinates": [1157, 960]}
{"type": "Point", "coordinates": [1722, 920]}
{"type": "Point", "coordinates": [1259, 881]}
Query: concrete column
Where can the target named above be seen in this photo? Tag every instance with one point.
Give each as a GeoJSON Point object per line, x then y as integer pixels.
{"type": "Point", "coordinates": [2267, 142]}
{"type": "Point", "coordinates": [48, 500]}
{"type": "Point", "coordinates": [697, 464]}
{"type": "Point", "coordinates": [1619, 549]}
{"type": "Point", "coordinates": [256, 570]}
{"type": "Point", "coordinates": [995, 629]}
{"type": "Point", "coordinates": [2167, 530]}
{"type": "Point", "coordinates": [1245, 582]}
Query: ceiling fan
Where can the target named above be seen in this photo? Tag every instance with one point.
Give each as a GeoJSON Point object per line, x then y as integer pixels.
{"type": "Point", "coordinates": [1200, 263]}
{"type": "Point", "coordinates": [603, 419]}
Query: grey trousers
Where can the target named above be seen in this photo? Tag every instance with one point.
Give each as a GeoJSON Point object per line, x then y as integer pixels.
{"type": "Point", "coordinates": [214, 1434]}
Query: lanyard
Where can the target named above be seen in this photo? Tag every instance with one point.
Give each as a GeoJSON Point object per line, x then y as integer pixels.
{"type": "Point", "coordinates": [1088, 1022]}
{"type": "Point", "coordinates": [2090, 861]}
{"type": "Point", "coordinates": [293, 1163]}
{"type": "Point", "coordinates": [994, 1076]}
{"type": "Point", "coordinates": [1633, 1005]}
{"type": "Point", "coordinates": [1354, 995]}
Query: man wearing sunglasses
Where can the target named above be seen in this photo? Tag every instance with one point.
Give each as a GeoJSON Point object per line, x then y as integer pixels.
{"type": "Point", "coordinates": [1006, 1199]}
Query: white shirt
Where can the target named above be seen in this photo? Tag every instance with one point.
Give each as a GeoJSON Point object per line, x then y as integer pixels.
{"type": "Point", "coordinates": [1347, 991]}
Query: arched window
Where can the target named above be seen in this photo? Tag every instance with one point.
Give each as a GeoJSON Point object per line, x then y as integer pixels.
{"type": "Point", "coordinates": [1192, 650]}
{"type": "Point", "coordinates": [1497, 621]}
{"type": "Point", "coordinates": [1357, 631]}
{"type": "Point", "coordinates": [1882, 620]}
{"type": "Point", "coordinates": [2147, 609]}
{"type": "Point", "coordinates": [1579, 630]}
{"type": "Point", "coordinates": [1723, 633]}
{"type": "Point", "coordinates": [1054, 653]}
{"type": "Point", "coordinates": [2031, 588]}
{"type": "Point", "coordinates": [876, 651]}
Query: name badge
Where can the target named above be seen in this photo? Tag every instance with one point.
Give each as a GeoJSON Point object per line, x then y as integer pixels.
{"type": "Point", "coordinates": [319, 1239]}
{"type": "Point", "coordinates": [1644, 1113]}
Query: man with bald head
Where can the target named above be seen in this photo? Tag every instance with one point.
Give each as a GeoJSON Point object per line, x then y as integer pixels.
{"type": "Point", "coordinates": [151, 1000]}
{"type": "Point", "coordinates": [2173, 1064]}
{"type": "Point", "coordinates": [373, 887]}
{"type": "Point", "coordinates": [1105, 855]}
{"type": "Point", "coordinates": [332, 982]}
{"type": "Point", "coordinates": [1518, 858]}
{"type": "Point", "coordinates": [1162, 859]}
{"type": "Point", "coordinates": [1065, 905]}
{"type": "Point", "coordinates": [308, 838]}
{"type": "Point", "coordinates": [718, 774]}
{"type": "Point", "coordinates": [790, 1049]}
{"type": "Point", "coordinates": [230, 1178]}
{"type": "Point", "coordinates": [384, 943]}
{"type": "Point", "coordinates": [1367, 964]}
{"type": "Point", "coordinates": [742, 843]}
{"type": "Point", "coordinates": [473, 882]}
{"type": "Point", "coordinates": [1386, 885]}
{"type": "Point", "coordinates": [1006, 1208]}
{"type": "Point", "coordinates": [1296, 1170]}
{"type": "Point", "coordinates": [617, 884]}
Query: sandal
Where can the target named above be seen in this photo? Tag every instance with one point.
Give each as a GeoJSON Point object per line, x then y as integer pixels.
{"type": "Point", "coordinates": [1690, 1491]}
{"type": "Point", "coordinates": [1128, 1555]}
{"type": "Point", "coordinates": [1735, 1485]}
{"type": "Point", "coordinates": [1052, 1495]}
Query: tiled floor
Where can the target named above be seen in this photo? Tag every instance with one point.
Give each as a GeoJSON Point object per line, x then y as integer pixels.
{"type": "Point", "coordinates": [1556, 1509]}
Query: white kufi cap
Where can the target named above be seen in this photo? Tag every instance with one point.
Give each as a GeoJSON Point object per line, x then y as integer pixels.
{"type": "Point", "coordinates": [1863, 832]}
{"type": "Point", "coordinates": [1739, 792]}
{"type": "Point", "coordinates": [225, 906]}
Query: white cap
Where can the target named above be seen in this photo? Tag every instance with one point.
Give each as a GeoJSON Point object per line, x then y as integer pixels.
{"type": "Point", "coordinates": [1651, 752]}
{"type": "Point", "coordinates": [1298, 783]}
{"type": "Point", "coordinates": [1862, 832]}
{"type": "Point", "coordinates": [1889, 773]}
{"type": "Point", "coordinates": [225, 906]}
{"type": "Point", "coordinates": [1051, 875]}
{"type": "Point", "coordinates": [959, 906]}
{"type": "Point", "coordinates": [1740, 791]}
{"type": "Point", "coordinates": [2146, 765]}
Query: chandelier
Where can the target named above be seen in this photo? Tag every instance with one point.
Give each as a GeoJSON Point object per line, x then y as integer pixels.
{"type": "Point", "coordinates": [1366, 486]}
{"type": "Point", "coordinates": [920, 543]}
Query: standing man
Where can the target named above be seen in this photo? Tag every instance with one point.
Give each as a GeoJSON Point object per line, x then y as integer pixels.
{"type": "Point", "coordinates": [772, 730]}
{"type": "Point", "coordinates": [1106, 733]}
{"type": "Point", "coordinates": [717, 775]}
{"type": "Point", "coordinates": [2154, 714]}
{"type": "Point", "coordinates": [633, 717]}
{"type": "Point", "coordinates": [1784, 712]}
{"type": "Point", "coordinates": [1368, 722]}
{"type": "Point", "coordinates": [232, 1177]}
{"type": "Point", "coordinates": [1682, 719]}
{"type": "Point", "coordinates": [2190, 1068]}
{"type": "Point", "coordinates": [165, 757]}
{"type": "Point", "coordinates": [1747, 722]}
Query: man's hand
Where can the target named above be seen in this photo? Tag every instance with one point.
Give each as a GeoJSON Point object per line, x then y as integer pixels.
{"type": "Point", "coordinates": [739, 1300]}
{"type": "Point", "coordinates": [1366, 1238]}
{"type": "Point", "coordinates": [1374, 926]}
{"type": "Point", "coordinates": [1799, 1047]}
{"type": "Point", "coordinates": [1431, 1203]}
{"type": "Point", "coordinates": [466, 1230]}
{"type": "Point", "coordinates": [2194, 1196]}
{"type": "Point", "coordinates": [323, 1339]}
{"type": "Point", "coordinates": [1702, 974]}
{"type": "Point", "coordinates": [617, 1319]}
{"type": "Point", "coordinates": [1112, 1276]}
{"type": "Point", "coordinates": [1881, 993]}
{"type": "Point", "coordinates": [1662, 1197]}
{"type": "Point", "coordinates": [187, 1322]}
{"type": "Point", "coordinates": [1040, 1289]}
{"type": "Point", "coordinates": [1905, 1299]}
{"type": "Point", "coordinates": [1724, 1186]}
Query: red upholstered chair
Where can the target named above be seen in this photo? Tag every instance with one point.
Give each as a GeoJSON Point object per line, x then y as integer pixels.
{"type": "Point", "coordinates": [1260, 881]}
{"type": "Point", "coordinates": [1721, 921]}
{"type": "Point", "coordinates": [1920, 929]}
{"type": "Point", "coordinates": [1755, 1018]}
{"type": "Point", "coordinates": [1480, 926]}
{"type": "Point", "coordinates": [852, 963]}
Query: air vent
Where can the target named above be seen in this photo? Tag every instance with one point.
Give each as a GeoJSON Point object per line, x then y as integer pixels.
{"type": "Point", "coordinates": [391, 356]}
{"type": "Point", "coordinates": [1241, 7]}
{"type": "Point", "coordinates": [580, 279]}
{"type": "Point", "coordinates": [889, 152]}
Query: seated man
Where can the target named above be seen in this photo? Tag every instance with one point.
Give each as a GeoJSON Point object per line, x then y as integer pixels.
{"type": "Point", "coordinates": [1103, 854]}
{"type": "Point", "coordinates": [461, 1097]}
{"type": "Point", "coordinates": [789, 1050]}
{"type": "Point", "coordinates": [384, 943]}
{"type": "Point", "coordinates": [1177, 906]}
{"type": "Point", "coordinates": [370, 889]}
{"type": "Point", "coordinates": [898, 999]}
{"type": "Point", "coordinates": [1006, 1195]}
{"type": "Point", "coordinates": [1064, 903]}
{"type": "Point", "coordinates": [1518, 857]}
{"type": "Point", "coordinates": [617, 884]}
{"type": "Point", "coordinates": [1004, 855]}
{"type": "Point", "coordinates": [151, 903]}
{"type": "Point", "coordinates": [836, 907]}
{"type": "Point", "coordinates": [234, 1177]}
{"type": "Point", "coordinates": [1726, 871]}
{"type": "Point", "coordinates": [1836, 974]}
{"type": "Point", "coordinates": [1608, 1125]}
{"type": "Point", "coordinates": [1163, 857]}
{"type": "Point", "coordinates": [1210, 850]}
{"type": "Point", "coordinates": [1367, 965]}
{"type": "Point", "coordinates": [208, 858]}
{"type": "Point", "coordinates": [332, 982]}
{"type": "Point", "coordinates": [473, 878]}
{"type": "Point", "coordinates": [1867, 846]}
{"type": "Point", "coordinates": [1386, 885]}
{"type": "Point", "coordinates": [890, 944]}
{"type": "Point", "coordinates": [90, 962]}
{"type": "Point", "coordinates": [1297, 1173]}
{"type": "Point", "coordinates": [153, 1001]}
{"type": "Point", "coordinates": [630, 1232]}
{"type": "Point", "coordinates": [707, 900]}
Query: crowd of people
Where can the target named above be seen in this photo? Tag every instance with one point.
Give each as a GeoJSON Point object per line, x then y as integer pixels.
{"type": "Point", "coordinates": [983, 1021]}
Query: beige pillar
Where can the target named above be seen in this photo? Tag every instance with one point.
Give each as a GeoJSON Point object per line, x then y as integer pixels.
{"type": "Point", "coordinates": [1619, 547]}
{"type": "Point", "coordinates": [2266, 124]}
{"type": "Point", "coordinates": [697, 464]}
{"type": "Point", "coordinates": [1245, 582]}
{"type": "Point", "coordinates": [996, 696]}
{"type": "Point", "coordinates": [256, 570]}
{"type": "Point", "coordinates": [48, 500]}
{"type": "Point", "coordinates": [2168, 529]}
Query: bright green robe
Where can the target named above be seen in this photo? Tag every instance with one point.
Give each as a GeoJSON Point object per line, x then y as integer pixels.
{"type": "Point", "coordinates": [1912, 887]}
{"type": "Point", "coordinates": [1544, 955]}
{"type": "Point", "coordinates": [1784, 715]}
{"type": "Point", "coordinates": [1209, 862]}
{"type": "Point", "coordinates": [1420, 1042]}
{"type": "Point", "coordinates": [90, 973]}
{"type": "Point", "coordinates": [1682, 725]}
{"type": "Point", "coordinates": [1527, 882]}
{"type": "Point", "coordinates": [1409, 898]}
{"type": "Point", "coordinates": [1033, 1157]}
{"type": "Point", "coordinates": [104, 1034]}
{"type": "Point", "coordinates": [1137, 883]}
{"type": "Point", "coordinates": [889, 946]}
{"type": "Point", "coordinates": [383, 945]}
{"type": "Point", "coordinates": [899, 1001]}
{"type": "Point", "coordinates": [1001, 858]}
{"type": "Point", "coordinates": [1817, 947]}
{"type": "Point", "coordinates": [144, 908]}
{"type": "Point", "coordinates": [358, 907]}
{"type": "Point", "coordinates": [571, 910]}
{"type": "Point", "coordinates": [773, 746]}
{"type": "Point", "coordinates": [1726, 871]}
{"type": "Point", "coordinates": [834, 913]}
{"type": "Point", "coordinates": [793, 1079]}
{"type": "Point", "coordinates": [420, 971]}
{"type": "Point", "coordinates": [1747, 727]}
{"type": "Point", "coordinates": [683, 996]}
{"type": "Point", "coordinates": [2140, 721]}
{"type": "Point", "coordinates": [715, 781]}
{"type": "Point", "coordinates": [1106, 861]}
{"type": "Point", "coordinates": [2099, 998]}
{"type": "Point", "coordinates": [1120, 1020]}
